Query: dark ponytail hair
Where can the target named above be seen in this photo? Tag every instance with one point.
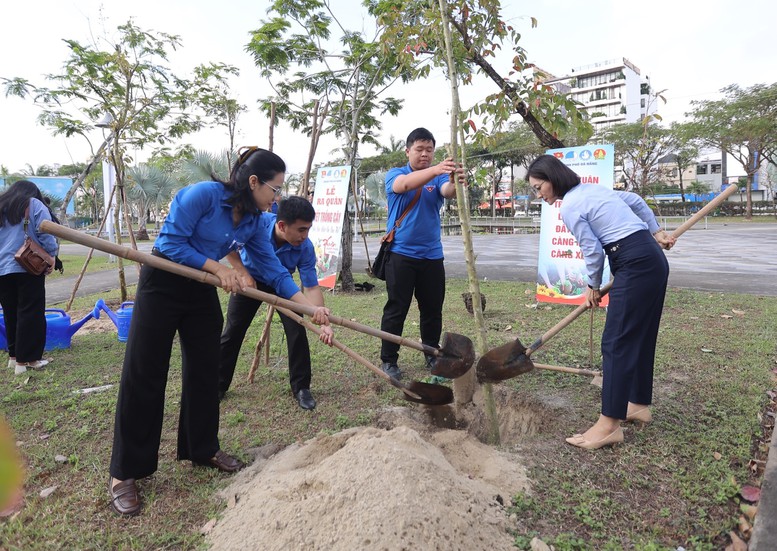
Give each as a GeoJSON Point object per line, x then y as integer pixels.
{"type": "Point", "coordinates": [550, 169]}
{"type": "Point", "coordinates": [251, 161]}
{"type": "Point", "coordinates": [15, 200]}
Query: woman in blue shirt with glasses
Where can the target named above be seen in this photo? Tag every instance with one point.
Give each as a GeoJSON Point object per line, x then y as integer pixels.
{"type": "Point", "coordinates": [621, 225]}
{"type": "Point", "coordinates": [207, 222]}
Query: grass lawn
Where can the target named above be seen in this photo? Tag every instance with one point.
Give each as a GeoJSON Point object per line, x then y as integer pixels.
{"type": "Point", "coordinates": [673, 483]}
{"type": "Point", "coordinates": [74, 263]}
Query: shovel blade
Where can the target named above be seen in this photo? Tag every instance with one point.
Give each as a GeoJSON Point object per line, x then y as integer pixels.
{"type": "Point", "coordinates": [455, 357]}
{"type": "Point", "coordinates": [503, 362]}
{"type": "Point", "coordinates": [428, 394]}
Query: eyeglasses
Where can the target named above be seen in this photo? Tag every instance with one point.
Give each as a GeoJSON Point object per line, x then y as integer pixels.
{"type": "Point", "coordinates": [275, 190]}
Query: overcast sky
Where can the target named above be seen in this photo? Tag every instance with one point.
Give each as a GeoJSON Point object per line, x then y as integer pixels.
{"type": "Point", "coordinates": [689, 48]}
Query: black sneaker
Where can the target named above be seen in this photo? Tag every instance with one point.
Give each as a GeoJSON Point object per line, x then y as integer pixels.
{"type": "Point", "coordinates": [392, 370]}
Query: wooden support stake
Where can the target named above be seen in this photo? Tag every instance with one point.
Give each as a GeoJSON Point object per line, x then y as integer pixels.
{"type": "Point", "coordinates": [263, 342]}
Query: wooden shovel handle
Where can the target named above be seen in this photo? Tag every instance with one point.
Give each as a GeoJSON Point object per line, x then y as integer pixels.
{"type": "Point", "coordinates": [575, 370]}
{"type": "Point", "coordinates": [572, 316]}
{"type": "Point", "coordinates": [351, 353]}
{"type": "Point", "coordinates": [205, 277]}
{"type": "Point", "coordinates": [729, 191]}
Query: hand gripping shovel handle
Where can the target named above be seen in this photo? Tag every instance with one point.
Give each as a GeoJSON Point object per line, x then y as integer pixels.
{"type": "Point", "coordinates": [205, 277]}
{"type": "Point", "coordinates": [572, 316]}
{"type": "Point", "coordinates": [605, 289]}
{"type": "Point", "coordinates": [415, 391]}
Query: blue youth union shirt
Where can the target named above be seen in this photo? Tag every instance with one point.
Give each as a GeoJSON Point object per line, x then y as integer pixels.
{"type": "Point", "coordinates": [293, 258]}
{"type": "Point", "coordinates": [199, 227]}
{"type": "Point", "coordinates": [419, 233]}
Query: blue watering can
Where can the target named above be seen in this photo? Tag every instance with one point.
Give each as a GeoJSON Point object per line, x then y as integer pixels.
{"type": "Point", "coordinates": [58, 329]}
{"type": "Point", "coordinates": [121, 318]}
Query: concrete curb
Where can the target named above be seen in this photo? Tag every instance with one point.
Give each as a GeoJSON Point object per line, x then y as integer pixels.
{"type": "Point", "coordinates": [765, 529]}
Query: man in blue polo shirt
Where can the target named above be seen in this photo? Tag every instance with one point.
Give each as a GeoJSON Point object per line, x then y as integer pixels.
{"type": "Point", "coordinates": [288, 234]}
{"type": "Point", "coordinates": [415, 264]}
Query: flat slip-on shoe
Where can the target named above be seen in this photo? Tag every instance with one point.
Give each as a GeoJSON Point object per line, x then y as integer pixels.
{"type": "Point", "coordinates": [615, 437]}
{"type": "Point", "coordinates": [642, 415]}
{"type": "Point", "coordinates": [223, 462]}
{"type": "Point", "coordinates": [125, 498]}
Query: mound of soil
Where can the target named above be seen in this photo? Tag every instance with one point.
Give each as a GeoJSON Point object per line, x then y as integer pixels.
{"type": "Point", "coordinates": [401, 486]}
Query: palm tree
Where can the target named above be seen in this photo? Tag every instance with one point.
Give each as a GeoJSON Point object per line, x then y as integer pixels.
{"type": "Point", "coordinates": [376, 188]}
{"type": "Point", "coordinates": [151, 190]}
{"type": "Point", "coordinates": [395, 144]}
{"type": "Point", "coordinates": [203, 165]}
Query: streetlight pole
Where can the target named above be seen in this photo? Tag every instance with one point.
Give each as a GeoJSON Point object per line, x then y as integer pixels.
{"type": "Point", "coordinates": [109, 181]}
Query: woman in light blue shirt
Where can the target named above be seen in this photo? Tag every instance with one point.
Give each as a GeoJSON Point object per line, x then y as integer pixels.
{"type": "Point", "coordinates": [23, 295]}
{"type": "Point", "coordinates": [207, 222]}
{"type": "Point", "coordinates": [618, 224]}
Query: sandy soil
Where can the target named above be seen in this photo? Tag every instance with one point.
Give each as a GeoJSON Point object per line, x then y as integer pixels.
{"type": "Point", "coordinates": [404, 485]}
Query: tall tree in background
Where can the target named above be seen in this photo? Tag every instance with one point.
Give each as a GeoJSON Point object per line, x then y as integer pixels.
{"type": "Point", "coordinates": [685, 151]}
{"type": "Point", "coordinates": [412, 30]}
{"type": "Point", "coordinates": [638, 148]}
{"type": "Point", "coordinates": [329, 79]}
{"type": "Point", "coordinates": [211, 88]}
{"type": "Point", "coordinates": [125, 81]}
{"type": "Point", "coordinates": [743, 124]}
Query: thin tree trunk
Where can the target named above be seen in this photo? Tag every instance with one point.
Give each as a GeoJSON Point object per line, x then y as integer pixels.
{"type": "Point", "coordinates": [315, 134]}
{"type": "Point", "coordinates": [463, 387]}
{"type": "Point", "coordinates": [546, 138]}
{"type": "Point", "coordinates": [272, 126]}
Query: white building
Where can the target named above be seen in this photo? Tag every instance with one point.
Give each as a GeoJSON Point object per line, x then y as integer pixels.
{"type": "Point", "coordinates": [612, 92]}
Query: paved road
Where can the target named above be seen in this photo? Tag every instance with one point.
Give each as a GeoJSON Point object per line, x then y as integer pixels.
{"type": "Point", "coordinates": [738, 257]}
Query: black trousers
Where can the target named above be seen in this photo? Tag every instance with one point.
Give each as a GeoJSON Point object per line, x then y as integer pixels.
{"type": "Point", "coordinates": [240, 313]}
{"type": "Point", "coordinates": [23, 298]}
{"type": "Point", "coordinates": [167, 303]}
{"type": "Point", "coordinates": [630, 333]}
{"type": "Point", "coordinates": [406, 277]}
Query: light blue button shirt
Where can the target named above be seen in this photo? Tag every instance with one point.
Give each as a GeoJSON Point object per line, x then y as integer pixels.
{"type": "Point", "coordinates": [598, 216]}
{"type": "Point", "coordinates": [12, 237]}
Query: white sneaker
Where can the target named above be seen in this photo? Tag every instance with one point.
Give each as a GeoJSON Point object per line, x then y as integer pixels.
{"type": "Point", "coordinates": [11, 363]}
{"type": "Point", "coordinates": [23, 367]}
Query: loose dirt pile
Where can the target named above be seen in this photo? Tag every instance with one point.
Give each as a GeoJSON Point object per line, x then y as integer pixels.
{"type": "Point", "coordinates": [375, 488]}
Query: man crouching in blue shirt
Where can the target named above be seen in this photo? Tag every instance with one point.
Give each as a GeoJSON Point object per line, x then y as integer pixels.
{"type": "Point", "coordinates": [288, 233]}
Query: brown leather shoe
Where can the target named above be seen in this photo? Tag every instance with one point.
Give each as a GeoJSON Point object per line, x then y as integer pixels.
{"type": "Point", "coordinates": [125, 498]}
{"type": "Point", "coordinates": [223, 462]}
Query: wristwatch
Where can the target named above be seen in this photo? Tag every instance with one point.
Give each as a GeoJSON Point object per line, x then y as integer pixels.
{"type": "Point", "coordinates": [592, 287]}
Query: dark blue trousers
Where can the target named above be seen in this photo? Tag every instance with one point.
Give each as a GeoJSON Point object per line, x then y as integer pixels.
{"type": "Point", "coordinates": [631, 330]}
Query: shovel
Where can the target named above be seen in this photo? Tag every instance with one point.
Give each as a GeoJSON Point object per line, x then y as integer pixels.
{"type": "Point", "coordinates": [454, 358]}
{"type": "Point", "coordinates": [513, 359]}
{"type": "Point", "coordinates": [414, 391]}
